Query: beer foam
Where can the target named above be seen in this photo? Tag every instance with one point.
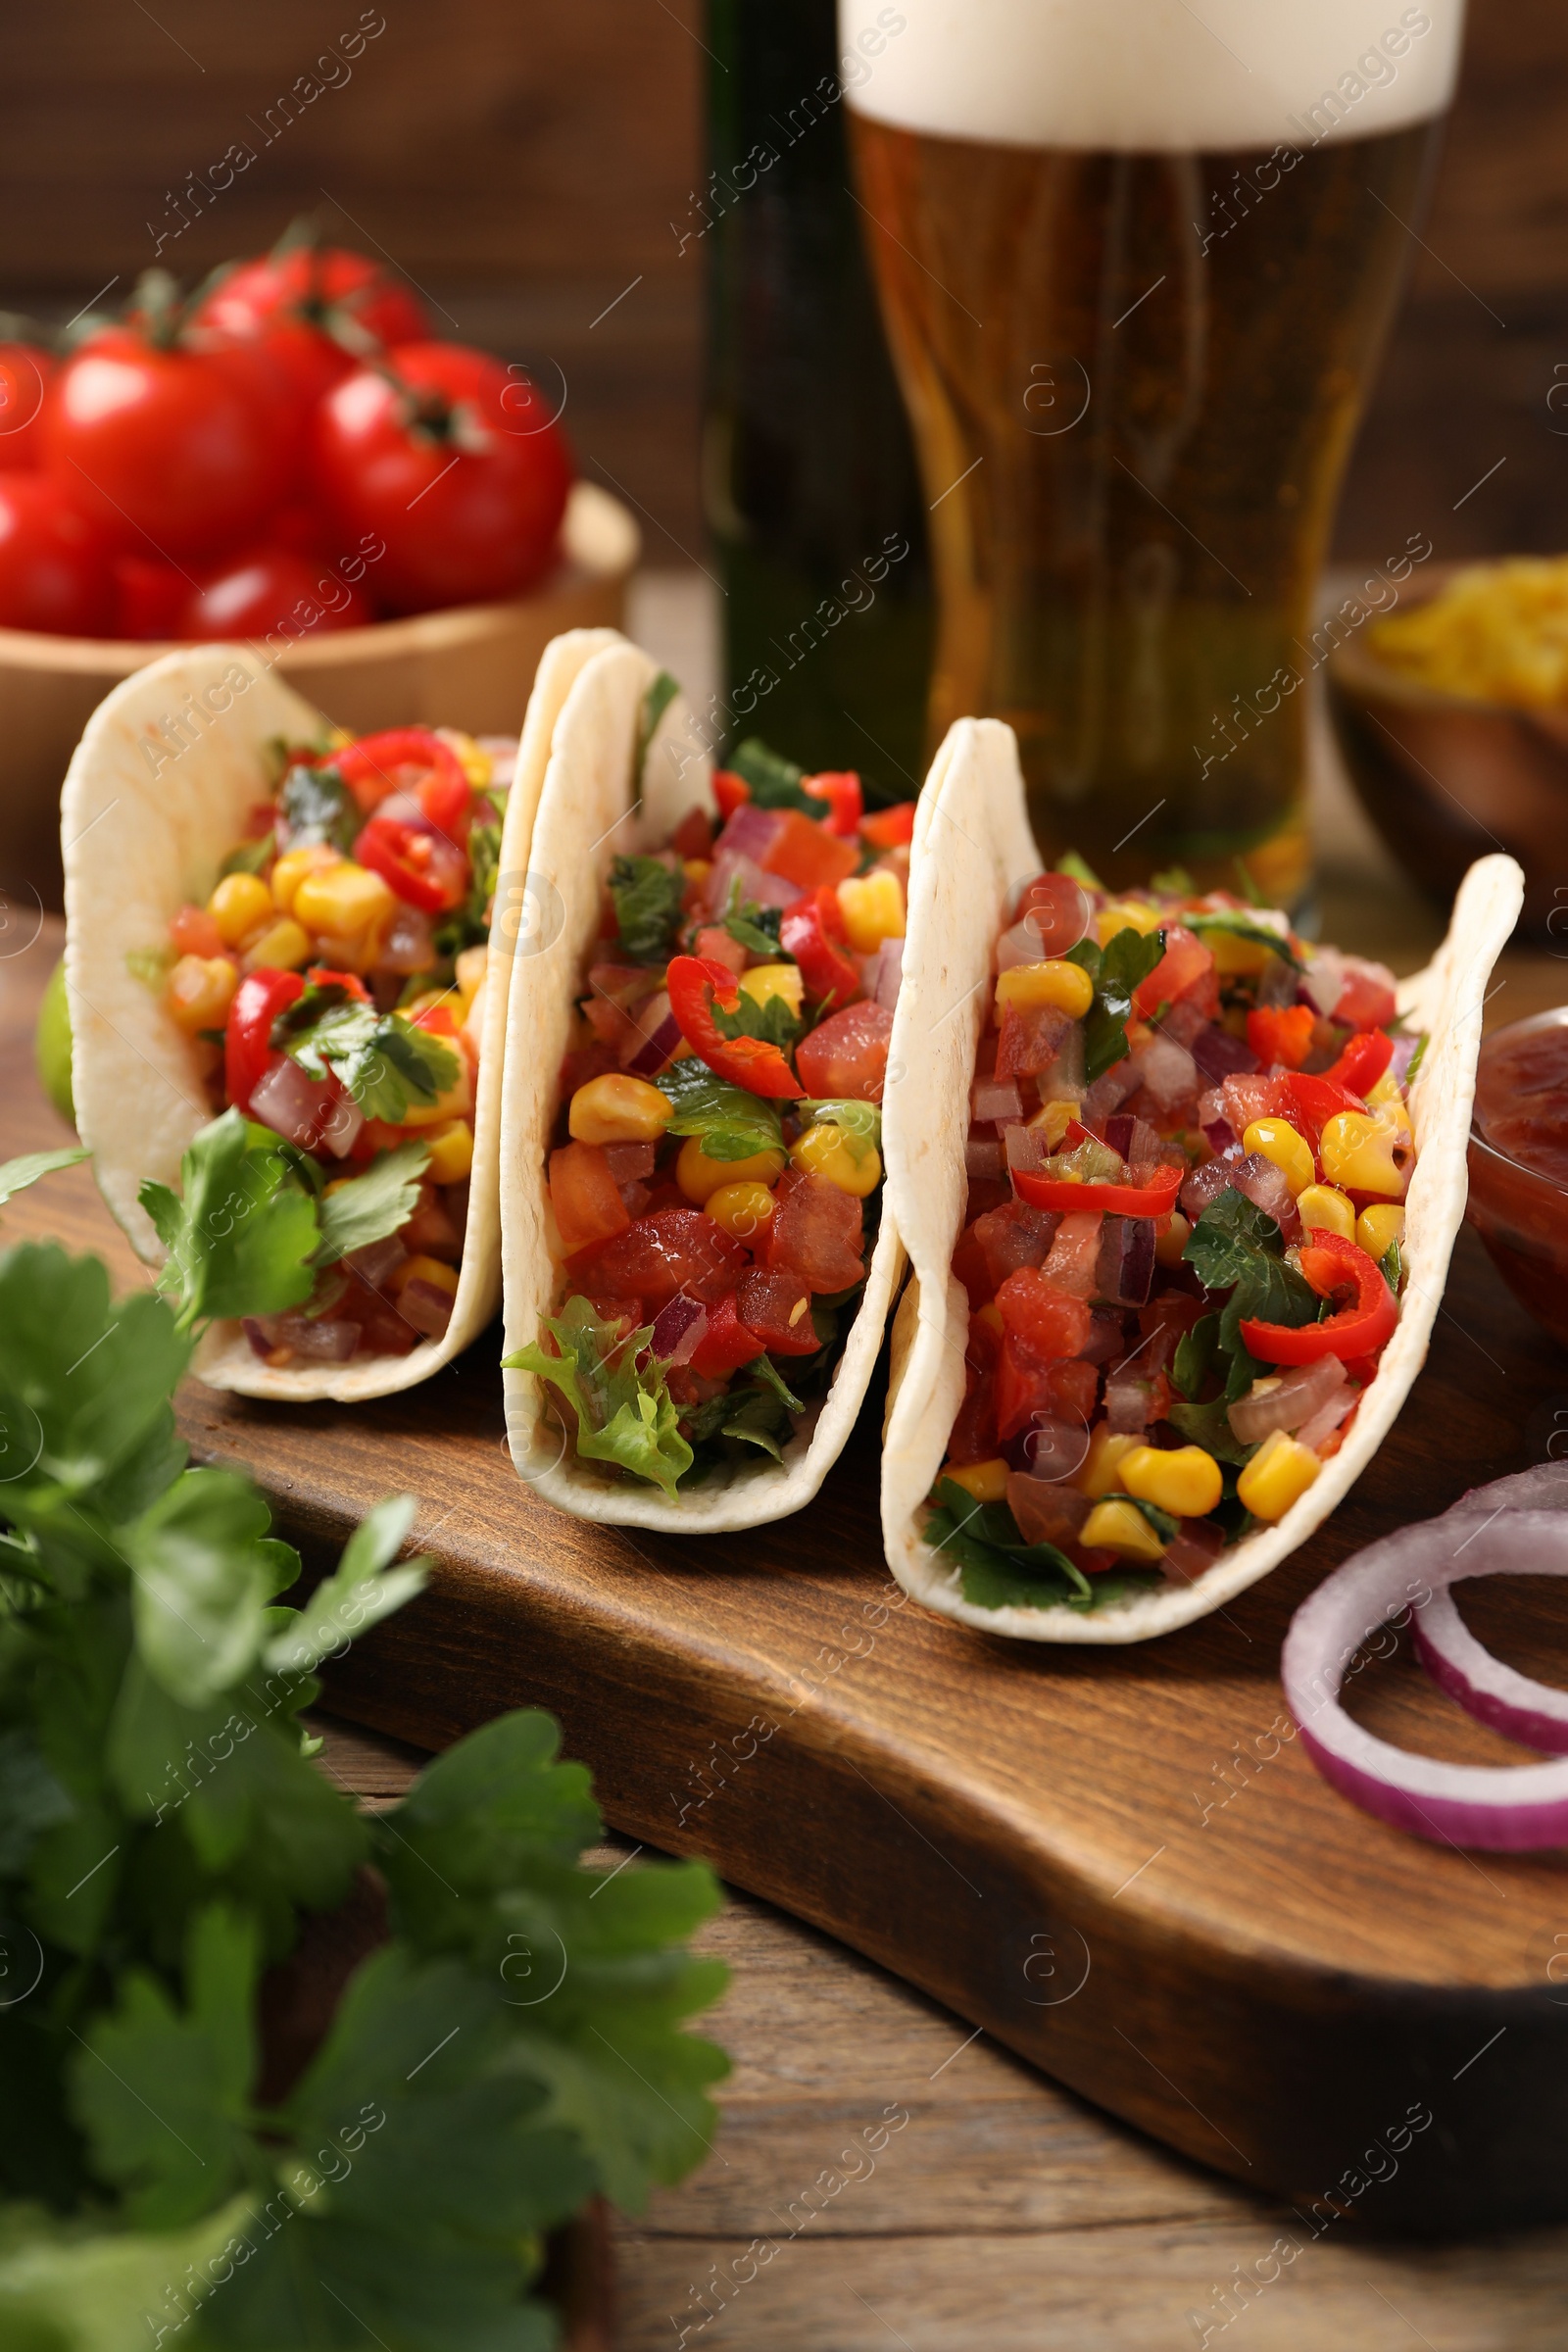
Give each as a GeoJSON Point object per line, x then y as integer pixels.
{"type": "Point", "coordinates": [1150, 74]}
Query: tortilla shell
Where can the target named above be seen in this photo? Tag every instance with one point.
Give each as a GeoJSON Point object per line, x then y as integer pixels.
{"type": "Point", "coordinates": [588, 815]}
{"type": "Point", "coordinates": [959, 904]}
{"type": "Point", "coordinates": [144, 828]}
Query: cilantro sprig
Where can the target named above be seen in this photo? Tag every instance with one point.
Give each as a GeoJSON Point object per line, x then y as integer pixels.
{"type": "Point", "coordinates": [998, 1570]}
{"type": "Point", "coordinates": [728, 1122]}
{"type": "Point", "coordinates": [647, 895]}
{"type": "Point", "coordinates": [382, 1059]}
{"type": "Point", "coordinates": [1117, 970]}
{"type": "Point", "coordinates": [755, 928]}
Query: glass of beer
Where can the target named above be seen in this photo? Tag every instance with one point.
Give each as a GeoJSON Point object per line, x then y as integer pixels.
{"type": "Point", "coordinates": [1137, 259]}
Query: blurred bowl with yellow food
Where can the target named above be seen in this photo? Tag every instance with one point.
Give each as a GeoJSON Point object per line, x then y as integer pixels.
{"type": "Point", "coordinates": [1451, 715]}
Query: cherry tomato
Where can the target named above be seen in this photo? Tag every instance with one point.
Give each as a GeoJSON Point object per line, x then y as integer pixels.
{"type": "Point", "coordinates": [149, 596]}
{"type": "Point", "coordinates": [318, 287]}
{"type": "Point", "coordinates": [730, 792]}
{"type": "Point", "coordinates": [846, 1054]}
{"type": "Point", "coordinates": [24, 374]}
{"type": "Point", "coordinates": [409, 759]}
{"type": "Point", "coordinates": [174, 451]}
{"type": "Point", "coordinates": [54, 564]}
{"type": "Point", "coordinates": [269, 591]}
{"type": "Point", "coordinates": [248, 1035]}
{"type": "Point", "coordinates": [452, 465]}
{"type": "Point", "coordinates": [584, 1196]}
{"type": "Point", "coordinates": [423, 867]}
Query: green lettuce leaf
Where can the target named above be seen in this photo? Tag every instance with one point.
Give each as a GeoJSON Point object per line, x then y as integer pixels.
{"type": "Point", "coordinates": [623, 1416]}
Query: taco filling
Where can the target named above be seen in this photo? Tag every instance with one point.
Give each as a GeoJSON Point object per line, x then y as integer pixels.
{"type": "Point", "coordinates": [714, 1171]}
{"type": "Point", "coordinates": [334, 982]}
{"type": "Point", "coordinates": [1188, 1153]}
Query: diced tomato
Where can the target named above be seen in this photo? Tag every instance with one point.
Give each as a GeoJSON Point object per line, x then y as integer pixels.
{"type": "Point", "coordinates": [1367, 999]}
{"type": "Point", "coordinates": [971, 1266]}
{"type": "Point", "coordinates": [1253, 1095]}
{"type": "Point", "coordinates": [730, 792]}
{"type": "Point", "coordinates": [775, 1303]}
{"type": "Point", "coordinates": [422, 865]}
{"type": "Point", "coordinates": [585, 1197]}
{"type": "Point", "coordinates": [1023, 1388]}
{"type": "Point", "coordinates": [436, 1020]}
{"type": "Point", "coordinates": [671, 1250]}
{"type": "Point", "coordinates": [1011, 1236]}
{"type": "Point", "coordinates": [1366, 1058]}
{"type": "Point", "coordinates": [626, 1312]}
{"type": "Point", "coordinates": [1073, 1264]}
{"type": "Point", "coordinates": [248, 1034]}
{"type": "Point", "coordinates": [841, 789]}
{"type": "Point", "coordinates": [813, 932]}
{"type": "Point", "coordinates": [412, 759]}
{"type": "Point", "coordinates": [974, 1431]}
{"type": "Point", "coordinates": [1281, 1033]}
{"type": "Point", "coordinates": [432, 1231]}
{"type": "Point", "coordinates": [1047, 1510]}
{"type": "Point", "coordinates": [818, 1231]}
{"type": "Point", "coordinates": [726, 1344]}
{"type": "Point", "coordinates": [1185, 964]}
{"type": "Point", "coordinates": [193, 932]}
{"type": "Point", "coordinates": [1048, 1321]}
{"type": "Point", "coordinates": [715, 945]}
{"type": "Point", "coordinates": [688, 1388]}
{"type": "Point", "coordinates": [583, 1062]}
{"type": "Point", "coordinates": [889, 828]}
{"type": "Point", "coordinates": [693, 837]}
{"type": "Point", "coordinates": [846, 1054]}
{"type": "Point", "coordinates": [1075, 1387]}
{"type": "Point", "coordinates": [382, 1330]}
{"type": "Point", "coordinates": [1029, 1040]}
{"type": "Point", "coordinates": [806, 852]}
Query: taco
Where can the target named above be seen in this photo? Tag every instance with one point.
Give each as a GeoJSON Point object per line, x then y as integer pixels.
{"type": "Point", "coordinates": [278, 926]}
{"type": "Point", "coordinates": [1179, 1192]}
{"type": "Point", "coordinates": [696, 1267]}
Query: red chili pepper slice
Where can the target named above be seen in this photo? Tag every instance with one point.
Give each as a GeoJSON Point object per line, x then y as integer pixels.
{"type": "Point", "coordinates": [1333, 1266]}
{"type": "Point", "coordinates": [841, 789]}
{"type": "Point", "coordinates": [813, 932]}
{"type": "Point", "coordinates": [1281, 1033]}
{"type": "Point", "coordinates": [730, 792]}
{"type": "Point", "coordinates": [1153, 1199]}
{"type": "Point", "coordinates": [407, 760]}
{"type": "Point", "coordinates": [248, 1033]}
{"type": "Point", "coordinates": [422, 865]}
{"type": "Point", "coordinates": [695, 983]}
{"type": "Point", "coordinates": [889, 828]}
{"type": "Point", "coordinates": [1310, 1103]}
{"type": "Point", "coordinates": [1366, 1058]}
{"type": "Point", "coordinates": [321, 975]}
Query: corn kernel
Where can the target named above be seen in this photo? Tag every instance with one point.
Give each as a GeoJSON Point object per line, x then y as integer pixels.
{"type": "Point", "coordinates": [1386, 1090]}
{"type": "Point", "coordinates": [457, 1103]}
{"type": "Point", "coordinates": [1322, 1209]}
{"type": "Point", "coordinates": [768, 980]}
{"type": "Point", "coordinates": [1278, 1141]}
{"type": "Point", "coordinates": [852, 1163]}
{"type": "Point", "coordinates": [292, 868]}
{"type": "Point", "coordinates": [343, 902]}
{"type": "Point", "coordinates": [199, 991]}
{"type": "Point", "coordinates": [474, 762]}
{"type": "Point", "coordinates": [1169, 1244]}
{"type": "Point", "coordinates": [1120, 1526]}
{"type": "Point", "coordinates": [1066, 986]}
{"type": "Point", "coordinates": [872, 908]}
{"type": "Point", "coordinates": [619, 1109]}
{"type": "Point", "coordinates": [469, 971]}
{"type": "Point", "coordinates": [699, 1177]}
{"type": "Point", "coordinates": [1052, 1121]}
{"type": "Point", "coordinates": [1278, 1475]}
{"type": "Point", "coordinates": [1358, 1152]}
{"type": "Point", "coordinates": [697, 870]}
{"type": "Point", "coordinates": [281, 948]}
{"type": "Point", "coordinates": [1378, 1228]}
{"type": "Point", "coordinates": [423, 1269]}
{"type": "Point", "coordinates": [1186, 1481]}
{"type": "Point", "coordinates": [991, 1316]}
{"type": "Point", "coordinates": [1126, 914]}
{"type": "Point", "coordinates": [744, 1209]}
{"type": "Point", "coordinates": [987, 1481]}
{"type": "Point", "coordinates": [1102, 1470]}
{"type": "Point", "coordinates": [1234, 955]}
{"type": "Point", "coordinates": [238, 904]}
{"type": "Point", "coordinates": [451, 1152]}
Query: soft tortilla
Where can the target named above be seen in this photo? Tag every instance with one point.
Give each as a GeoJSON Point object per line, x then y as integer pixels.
{"type": "Point", "coordinates": [957, 905]}
{"type": "Point", "coordinates": [589, 814]}
{"type": "Point", "coordinates": [158, 793]}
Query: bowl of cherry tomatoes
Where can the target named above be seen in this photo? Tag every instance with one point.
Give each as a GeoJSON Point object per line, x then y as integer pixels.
{"type": "Point", "coordinates": [292, 459]}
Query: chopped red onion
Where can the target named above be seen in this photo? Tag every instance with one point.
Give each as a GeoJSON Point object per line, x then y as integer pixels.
{"type": "Point", "coordinates": [1106, 1339]}
{"type": "Point", "coordinates": [1289, 1401]}
{"type": "Point", "coordinates": [292, 1105]}
{"type": "Point", "coordinates": [340, 1131]}
{"type": "Point", "coordinates": [1129, 1403]}
{"type": "Point", "coordinates": [1023, 942]}
{"type": "Point", "coordinates": [1266, 1187]}
{"type": "Point", "coordinates": [1125, 1270]}
{"type": "Point", "coordinates": [1204, 1186]}
{"type": "Point", "coordinates": [408, 946]}
{"type": "Point", "coordinates": [1108, 1094]}
{"type": "Point", "coordinates": [1221, 1138]}
{"type": "Point", "coordinates": [890, 975]}
{"type": "Point", "coordinates": [750, 832]}
{"type": "Point", "coordinates": [1500, 1808]}
{"type": "Point", "coordinates": [426, 1306]}
{"type": "Point", "coordinates": [678, 1328]}
{"type": "Point", "coordinates": [323, 1339]}
{"type": "Point", "coordinates": [1322, 984]}
{"type": "Point", "coordinates": [768, 890]}
{"type": "Point", "coordinates": [1166, 1071]}
{"type": "Point", "coordinates": [1052, 1448]}
{"type": "Point", "coordinates": [659, 1033]}
{"type": "Point", "coordinates": [1120, 1129]}
{"type": "Point", "coordinates": [982, 1158]}
{"type": "Point", "coordinates": [1193, 1550]}
{"type": "Point", "coordinates": [376, 1261]}
{"type": "Point", "coordinates": [1026, 1147]}
{"type": "Point", "coordinates": [995, 1098]}
{"type": "Point", "coordinates": [1405, 1048]}
{"type": "Point", "coordinates": [1219, 1056]}
{"type": "Point", "coordinates": [1047, 1510]}
{"type": "Point", "coordinates": [627, 1162]}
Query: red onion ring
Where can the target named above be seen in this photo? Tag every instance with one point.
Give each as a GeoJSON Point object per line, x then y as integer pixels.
{"type": "Point", "coordinates": [1521, 1708]}
{"type": "Point", "coordinates": [1505, 1809]}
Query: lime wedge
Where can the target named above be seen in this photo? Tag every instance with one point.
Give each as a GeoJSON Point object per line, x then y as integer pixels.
{"type": "Point", "coordinates": [51, 1043]}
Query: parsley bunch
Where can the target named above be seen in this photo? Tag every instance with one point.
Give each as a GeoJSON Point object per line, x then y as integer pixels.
{"type": "Point", "coordinates": [516, 2048]}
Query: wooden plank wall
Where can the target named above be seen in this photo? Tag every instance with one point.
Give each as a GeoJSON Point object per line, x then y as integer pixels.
{"type": "Point", "coordinates": [523, 162]}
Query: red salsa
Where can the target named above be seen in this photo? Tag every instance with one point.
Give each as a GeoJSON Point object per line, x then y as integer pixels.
{"type": "Point", "coordinates": [1519, 1162]}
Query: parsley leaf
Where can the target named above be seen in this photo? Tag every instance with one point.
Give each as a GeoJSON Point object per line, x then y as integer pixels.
{"type": "Point", "coordinates": [241, 1232]}
{"type": "Point", "coordinates": [1208, 1426]}
{"type": "Point", "coordinates": [729, 1122]}
{"type": "Point", "coordinates": [775, 782]}
{"type": "Point", "coordinates": [755, 928]}
{"type": "Point", "coordinates": [771, 1020]}
{"type": "Point", "coordinates": [17, 1174]}
{"type": "Point", "coordinates": [1235, 1247]}
{"type": "Point", "coordinates": [1194, 1356]}
{"type": "Point", "coordinates": [623, 1416]}
{"type": "Point", "coordinates": [662, 692]}
{"type": "Point", "coordinates": [318, 806]}
{"type": "Point", "coordinates": [366, 1208]}
{"type": "Point", "coordinates": [381, 1060]}
{"type": "Point", "coordinates": [1117, 970]}
{"type": "Point", "coordinates": [646, 895]}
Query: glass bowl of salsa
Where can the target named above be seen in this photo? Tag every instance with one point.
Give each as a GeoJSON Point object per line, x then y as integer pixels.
{"type": "Point", "coordinates": [1519, 1164]}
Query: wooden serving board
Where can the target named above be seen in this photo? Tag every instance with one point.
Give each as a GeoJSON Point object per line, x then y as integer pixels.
{"type": "Point", "coordinates": [1116, 1861]}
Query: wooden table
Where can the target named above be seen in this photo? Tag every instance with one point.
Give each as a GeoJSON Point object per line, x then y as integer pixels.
{"type": "Point", "coordinates": [1001, 2210]}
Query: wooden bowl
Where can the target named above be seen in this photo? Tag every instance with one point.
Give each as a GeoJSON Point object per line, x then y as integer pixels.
{"type": "Point", "coordinates": [469, 666]}
{"type": "Point", "coordinates": [1445, 778]}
